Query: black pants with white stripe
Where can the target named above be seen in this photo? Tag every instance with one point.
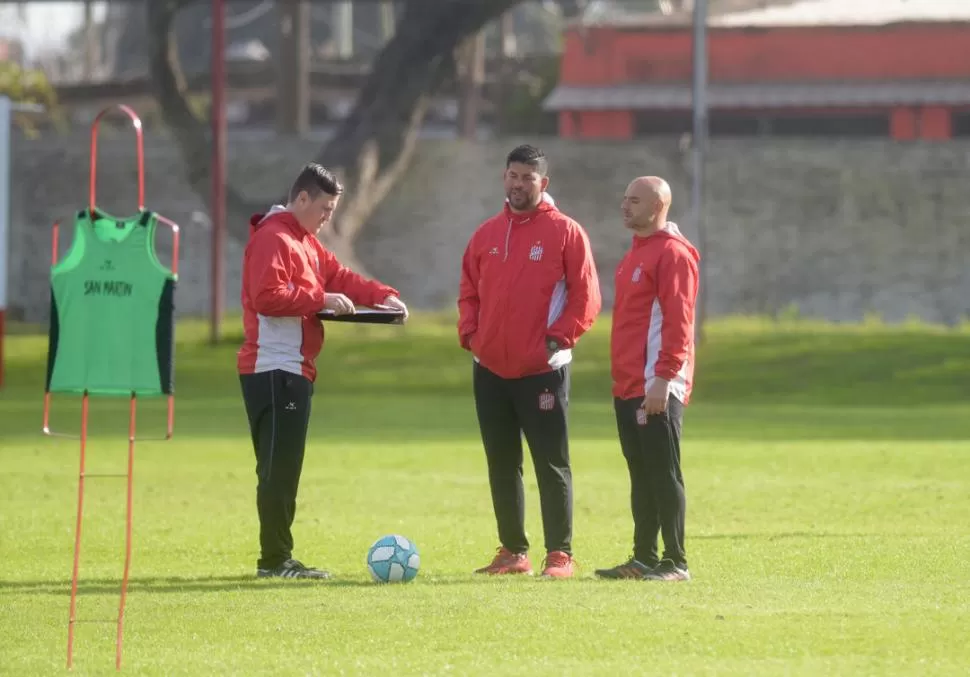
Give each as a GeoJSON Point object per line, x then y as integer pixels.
{"type": "Point", "coordinates": [278, 408]}
{"type": "Point", "coordinates": [651, 446]}
{"type": "Point", "coordinates": [536, 406]}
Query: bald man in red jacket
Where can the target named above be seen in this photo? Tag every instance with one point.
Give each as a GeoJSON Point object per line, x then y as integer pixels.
{"type": "Point", "coordinates": [652, 365]}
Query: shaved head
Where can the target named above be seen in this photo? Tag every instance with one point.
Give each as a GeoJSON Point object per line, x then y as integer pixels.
{"type": "Point", "coordinates": [645, 204]}
{"type": "Point", "coordinates": [651, 187]}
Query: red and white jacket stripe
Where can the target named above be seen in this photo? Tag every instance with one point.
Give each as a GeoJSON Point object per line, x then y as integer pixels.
{"type": "Point", "coordinates": [286, 272]}
{"type": "Point", "coordinates": [526, 277]}
{"type": "Point", "coordinates": [656, 286]}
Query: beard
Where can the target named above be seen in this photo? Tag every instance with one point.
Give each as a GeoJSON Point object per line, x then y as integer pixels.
{"type": "Point", "coordinates": [520, 199]}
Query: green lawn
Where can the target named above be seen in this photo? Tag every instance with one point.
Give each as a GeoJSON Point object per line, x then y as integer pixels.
{"type": "Point", "coordinates": [828, 518]}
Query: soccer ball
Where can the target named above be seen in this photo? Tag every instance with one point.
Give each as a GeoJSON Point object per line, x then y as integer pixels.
{"type": "Point", "coordinates": [393, 559]}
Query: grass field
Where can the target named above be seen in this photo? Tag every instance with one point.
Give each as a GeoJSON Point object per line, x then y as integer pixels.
{"type": "Point", "coordinates": [828, 478]}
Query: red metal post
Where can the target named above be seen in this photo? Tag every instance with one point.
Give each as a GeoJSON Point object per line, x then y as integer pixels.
{"type": "Point", "coordinates": [128, 505]}
{"type": "Point", "coordinates": [217, 207]}
{"type": "Point", "coordinates": [77, 532]}
{"type": "Point", "coordinates": [175, 269]}
{"type": "Point", "coordinates": [55, 236]}
{"type": "Point", "coordinates": [139, 151]}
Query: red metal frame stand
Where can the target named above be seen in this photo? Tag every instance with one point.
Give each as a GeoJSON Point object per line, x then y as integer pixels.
{"type": "Point", "coordinates": [85, 406]}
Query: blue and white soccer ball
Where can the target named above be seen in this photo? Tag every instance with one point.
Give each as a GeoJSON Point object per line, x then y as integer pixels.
{"type": "Point", "coordinates": [393, 559]}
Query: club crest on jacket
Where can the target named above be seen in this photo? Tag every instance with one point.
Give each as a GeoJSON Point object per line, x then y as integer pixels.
{"type": "Point", "coordinates": [535, 254]}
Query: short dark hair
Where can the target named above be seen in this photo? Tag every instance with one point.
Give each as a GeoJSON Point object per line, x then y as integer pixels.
{"type": "Point", "coordinates": [528, 155]}
{"type": "Point", "coordinates": [315, 179]}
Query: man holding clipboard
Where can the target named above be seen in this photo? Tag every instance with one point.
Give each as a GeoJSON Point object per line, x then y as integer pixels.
{"type": "Point", "coordinates": [290, 282]}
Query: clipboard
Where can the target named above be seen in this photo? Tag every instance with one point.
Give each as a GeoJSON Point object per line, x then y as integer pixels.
{"type": "Point", "coordinates": [365, 315]}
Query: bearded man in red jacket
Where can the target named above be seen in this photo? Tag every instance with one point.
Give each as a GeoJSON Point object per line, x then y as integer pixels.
{"type": "Point", "coordinates": [288, 276]}
{"type": "Point", "coordinates": [528, 292]}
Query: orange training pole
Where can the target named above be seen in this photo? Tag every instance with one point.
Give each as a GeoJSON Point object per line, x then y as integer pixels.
{"type": "Point", "coordinates": [124, 578]}
{"type": "Point", "coordinates": [77, 533]}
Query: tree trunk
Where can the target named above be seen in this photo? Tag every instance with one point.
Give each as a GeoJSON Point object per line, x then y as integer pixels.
{"type": "Point", "coordinates": [387, 20]}
{"type": "Point", "coordinates": [293, 63]}
{"type": "Point", "coordinates": [90, 42]}
{"type": "Point", "coordinates": [472, 75]}
{"type": "Point", "coordinates": [190, 133]}
{"type": "Point", "coordinates": [374, 144]}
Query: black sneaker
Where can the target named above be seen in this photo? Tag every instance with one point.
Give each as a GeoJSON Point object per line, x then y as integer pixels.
{"type": "Point", "coordinates": [668, 571]}
{"type": "Point", "coordinates": [631, 569]}
{"type": "Point", "coordinates": [292, 568]}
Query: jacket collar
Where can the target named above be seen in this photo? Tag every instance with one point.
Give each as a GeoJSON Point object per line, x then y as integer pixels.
{"type": "Point", "coordinates": [282, 215]}
{"type": "Point", "coordinates": [669, 231]}
{"type": "Point", "coordinates": [546, 205]}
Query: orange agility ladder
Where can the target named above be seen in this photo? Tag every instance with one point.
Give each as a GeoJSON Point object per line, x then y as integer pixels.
{"type": "Point", "coordinates": [111, 333]}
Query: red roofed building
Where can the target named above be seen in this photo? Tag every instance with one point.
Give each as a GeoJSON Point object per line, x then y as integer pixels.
{"type": "Point", "coordinates": [890, 68]}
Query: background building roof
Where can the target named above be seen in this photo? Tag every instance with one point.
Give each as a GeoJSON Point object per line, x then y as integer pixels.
{"type": "Point", "coordinates": [773, 95]}
{"type": "Point", "coordinates": [848, 12]}
{"type": "Point", "coordinates": [763, 13]}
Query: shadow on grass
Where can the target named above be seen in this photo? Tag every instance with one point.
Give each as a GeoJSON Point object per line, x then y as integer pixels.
{"type": "Point", "coordinates": [793, 535]}
{"type": "Point", "coordinates": [178, 584]}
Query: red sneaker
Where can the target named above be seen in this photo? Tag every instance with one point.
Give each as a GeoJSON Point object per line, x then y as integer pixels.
{"type": "Point", "coordinates": [508, 562]}
{"type": "Point", "coordinates": [558, 565]}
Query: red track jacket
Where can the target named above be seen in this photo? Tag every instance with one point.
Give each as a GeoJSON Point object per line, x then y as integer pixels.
{"type": "Point", "coordinates": [286, 271]}
{"type": "Point", "coordinates": [525, 277]}
{"type": "Point", "coordinates": [653, 315]}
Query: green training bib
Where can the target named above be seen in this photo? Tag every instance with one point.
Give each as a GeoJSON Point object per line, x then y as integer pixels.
{"type": "Point", "coordinates": [112, 311]}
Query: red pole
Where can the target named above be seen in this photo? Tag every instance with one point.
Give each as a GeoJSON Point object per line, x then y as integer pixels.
{"type": "Point", "coordinates": [77, 532]}
{"type": "Point", "coordinates": [218, 197]}
{"type": "Point", "coordinates": [124, 577]}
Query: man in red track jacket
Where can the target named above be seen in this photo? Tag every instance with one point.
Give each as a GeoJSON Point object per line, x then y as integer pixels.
{"type": "Point", "coordinates": [529, 290]}
{"type": "Point", "coordinates": [652, 358]}
{"type": "Point", "coordinates": [287, 278]}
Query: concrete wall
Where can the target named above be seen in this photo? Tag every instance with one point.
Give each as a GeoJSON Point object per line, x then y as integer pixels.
{"type": "Point", "coordinates": [837, 229]}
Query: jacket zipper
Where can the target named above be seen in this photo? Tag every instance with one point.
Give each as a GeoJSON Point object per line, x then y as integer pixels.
{"type": "Point", "coordinates": [508, 235]}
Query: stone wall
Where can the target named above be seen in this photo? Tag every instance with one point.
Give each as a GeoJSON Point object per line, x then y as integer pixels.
{"type": "Point", "coordinates": [836, 229]}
